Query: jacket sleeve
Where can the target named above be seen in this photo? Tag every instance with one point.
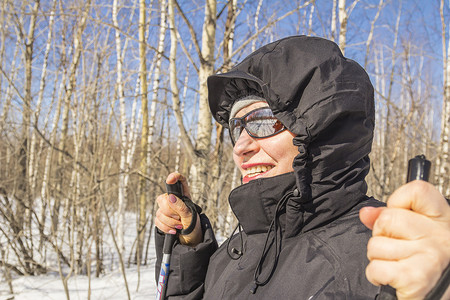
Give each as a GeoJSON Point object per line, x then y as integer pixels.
{"type": "Point", "coordinates": [188, 265]}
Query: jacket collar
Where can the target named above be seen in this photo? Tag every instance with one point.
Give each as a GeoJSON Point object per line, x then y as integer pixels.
{"type": "Point", "coordinates": [254, 203]}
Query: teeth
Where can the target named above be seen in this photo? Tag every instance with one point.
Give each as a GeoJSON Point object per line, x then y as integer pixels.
{"type": "Point", "coordinates": [253, 171]}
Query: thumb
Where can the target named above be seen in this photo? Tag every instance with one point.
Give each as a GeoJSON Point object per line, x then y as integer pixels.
{"type": "Point", "coordinates": [368, 215]}
{"type": "Point", "coordinates": [174, 177]}
{"type": "Point", "coordinates": [423, 198]}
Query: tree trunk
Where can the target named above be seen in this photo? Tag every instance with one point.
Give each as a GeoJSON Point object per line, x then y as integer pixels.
{"type": "Point", "coordinates": [123, 168]}
{"type": "Point", "coordinates": [144, 137]}
{"type": "Point", "coordinates": [443, 158]}
{"type": "Point", "coordinates": [204, 126]}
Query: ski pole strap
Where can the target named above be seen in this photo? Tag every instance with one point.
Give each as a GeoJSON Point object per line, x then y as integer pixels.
{"type": "Point", "coordinates": [387, 292]}
{"type": "Point", "coordinates": [193, 208]}
{"type": "Point", "coordinates": [177, 190]}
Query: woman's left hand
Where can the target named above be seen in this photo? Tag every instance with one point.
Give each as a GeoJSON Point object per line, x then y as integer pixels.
{"type": "Point", "coordinates": [410, 244]}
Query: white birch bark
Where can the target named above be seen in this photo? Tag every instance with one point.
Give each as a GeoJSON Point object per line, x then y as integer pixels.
{"type": "Point", "coordinates": [204, 126]}
{"type": "Point", "coordinates": [333, 21]}
{"type": "Point", "coordinates": [123, 168]}
{"type": "Point", "coordinates": [343, 18]}
{"type": "Point", "coordinates": [442, 161]}
{"type": "Point", "coordinates": [74, 192]}
{"type": "Point", "coordinates": [344, 14]}
{"type": "Point", "coordinates": [157, 70]}
{"type": "Point", "coordinates": [178, 147]}
{"type": "Point", "coordinates": [8, 95]}
{"type": "Point", "coordinates": [32, 168]}
{"type": "Point", "coordinates": [47, 166]}
{"type": "Point", "coordinates": [144, 136]}
{"type": "Point", "coordinates": [310, 21]}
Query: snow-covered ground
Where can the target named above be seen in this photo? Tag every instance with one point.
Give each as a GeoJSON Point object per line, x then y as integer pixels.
{"type": "Point", "coordinates": [109, 286]}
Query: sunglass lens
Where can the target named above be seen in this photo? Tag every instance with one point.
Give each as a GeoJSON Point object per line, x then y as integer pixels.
{"type": "Point", "coordinates": [235, 129]}
{"type": "Point", "coordinates": [259, 123]}
{"type": "Point", "coordinates": [260, 128]}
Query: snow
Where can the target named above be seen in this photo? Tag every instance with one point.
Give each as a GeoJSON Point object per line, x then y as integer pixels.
{"type": "Point", "coordinates": [110, 286]}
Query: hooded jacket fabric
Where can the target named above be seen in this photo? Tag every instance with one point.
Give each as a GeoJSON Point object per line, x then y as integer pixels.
{"type": "Point", "coordinates": [301, 238]}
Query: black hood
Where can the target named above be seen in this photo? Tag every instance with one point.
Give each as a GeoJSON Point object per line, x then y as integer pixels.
{"type": "Point", "coordinates": [323, 98]}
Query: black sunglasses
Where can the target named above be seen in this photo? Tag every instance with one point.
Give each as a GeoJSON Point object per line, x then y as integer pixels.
{"type": "Point", "coordinates": [259, 123]}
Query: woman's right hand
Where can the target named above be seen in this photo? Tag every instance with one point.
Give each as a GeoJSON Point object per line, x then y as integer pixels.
{"type": "Point", "coordinates": [173, 214]}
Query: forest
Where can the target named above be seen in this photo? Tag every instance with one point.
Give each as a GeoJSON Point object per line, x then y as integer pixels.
{"type": "Point", "coordinates": [101, 100]}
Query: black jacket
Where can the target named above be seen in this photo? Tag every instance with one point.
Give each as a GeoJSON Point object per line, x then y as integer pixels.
{"type": "Point", "coordinates": [316, 246]}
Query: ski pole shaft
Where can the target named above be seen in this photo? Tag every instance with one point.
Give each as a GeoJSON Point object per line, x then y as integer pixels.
{"type": "Point", "coordinates": [169, 239]}
{"type": "Point", "coordinates": [418, 169]}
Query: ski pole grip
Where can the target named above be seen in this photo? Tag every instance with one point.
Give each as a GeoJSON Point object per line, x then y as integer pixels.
{"type": "Point", "coordinates": [175, 189]}
{"type": "Point", "coordinates": [418, 169]}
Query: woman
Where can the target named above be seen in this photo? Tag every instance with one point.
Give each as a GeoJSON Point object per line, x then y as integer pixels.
{"type": "Point", "coordinates": [301, 119]}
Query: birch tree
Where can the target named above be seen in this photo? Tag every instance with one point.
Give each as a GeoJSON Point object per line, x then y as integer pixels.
{"type": "Point", "coordinates": [344, 14]}
{"type": "Point", "coordinates": [204, 128]}
{"type": "Point", "coordinates": [443, 158]}
{"type": "Point", "coordinates": [123, 176]}
{"type": "Point", "coordinates": [200, 152]}
{"type": "Point", "coordinates": [156, 85]}
{"type": "Point", "coordinates": [145, 128]}
{"type": "Point", "coordinates": [23, 191]}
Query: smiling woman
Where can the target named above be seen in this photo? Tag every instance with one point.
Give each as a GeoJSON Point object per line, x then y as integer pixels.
{"type": "Point", "coordinates": [263, 155]}
{"type": "Point", "coordinates": [301, 118]}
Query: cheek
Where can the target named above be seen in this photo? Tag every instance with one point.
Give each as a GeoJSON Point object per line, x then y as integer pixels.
{"type": "Point", "coordinates": [283, 151]}
{"type": "Point", "coordinates": [236, 159]}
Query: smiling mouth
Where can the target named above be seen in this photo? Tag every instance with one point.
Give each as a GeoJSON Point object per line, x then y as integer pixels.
{"type": "Point", "coordinates": [257, 170]}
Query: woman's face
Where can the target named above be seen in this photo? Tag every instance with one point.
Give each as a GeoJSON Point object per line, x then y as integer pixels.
{"type": "Point", "coordinates": [263, 157]}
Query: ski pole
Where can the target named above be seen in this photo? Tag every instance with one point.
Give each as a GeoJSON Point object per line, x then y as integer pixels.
{"type": "Point", "coordinates": [169, 239]}
{"type": "Point", "coordinates": [418, 169]}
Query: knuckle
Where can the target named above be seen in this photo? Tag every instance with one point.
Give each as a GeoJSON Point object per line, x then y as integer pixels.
{"type": "Point", "coordinates": [420, 187]}
{"type": "Point", "coordinates": [182, 209]}
{"type": "Point", "coordinates": [185, 210]}
{"type": "Point", "coordinates": [373, 248]}
{"type": "Point", "coordinates": [384, 221]}
{"type": "Point", "coordinates": [160, 199]}
{"type": "Point", "coordinates": [371, 271]}
{"type": "Point", "coordinates": [159, 225]}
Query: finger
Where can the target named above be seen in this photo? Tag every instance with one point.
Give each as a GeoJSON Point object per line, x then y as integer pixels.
{"type": "Point", "coordinates": [382, 272]}
{"type": "Point", "coordinates": [380, 247]}
{"type": "Point", "coordinates": [369, 214]}
{"type": "Point", "coordinates": [174, 223]}
{"type": "Point", "coordinates": [174, 177]}
{"type": "Point", "coordinates": [421, 197]}
{"type": "Point", "coordinates": [402, 224]}
{"type": "Point", "coordinates": [164, 228]}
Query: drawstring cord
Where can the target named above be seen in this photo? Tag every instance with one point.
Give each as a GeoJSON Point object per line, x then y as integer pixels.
{"type": "Point", "coordinates": [275, 224]}
{"type": "Point", "coordinates": [234, 250]}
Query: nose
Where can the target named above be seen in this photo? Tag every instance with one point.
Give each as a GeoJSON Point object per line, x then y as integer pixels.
{"type": "Point", "coordinates": [245, 144]}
